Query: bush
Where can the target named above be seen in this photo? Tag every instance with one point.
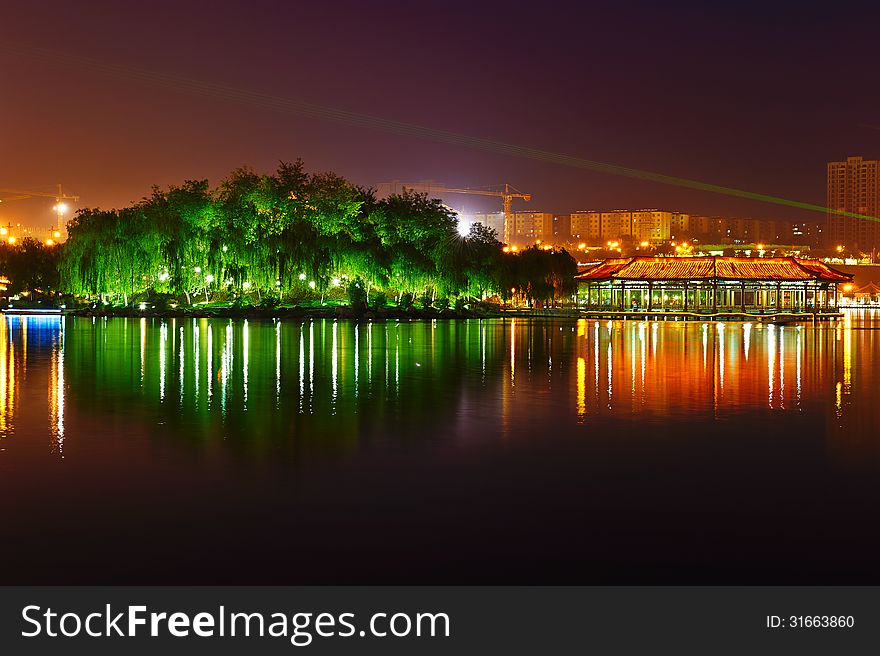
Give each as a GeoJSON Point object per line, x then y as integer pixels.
{"type": "Point", "coordinates": [426, 300]}
{"type": "Point", "coordinates": [380, 300]}
{"type": "Point", "coordinates": [406, 301]}
{"type": "Point", "coordinates": [269, 303]}
{"type": "Point", "coordinates": [357, 295]}
{"type": "Point", "coordinates": [161, 303]}
{"type": "Point", "coordinates": [442, 304]}
{"type": "Point", "coordinates": [460, 304]}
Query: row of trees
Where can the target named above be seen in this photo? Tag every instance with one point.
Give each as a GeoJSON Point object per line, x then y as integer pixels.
{"type": "Point", "coordinates": [293, 234]}
{"type": "Point", "coordinates": [30, 265]}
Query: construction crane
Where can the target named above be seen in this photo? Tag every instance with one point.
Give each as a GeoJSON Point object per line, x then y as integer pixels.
{"type": "Point", "coordinates": [60, 197]}
{"type": "Point", "coordinates": [506, 196]}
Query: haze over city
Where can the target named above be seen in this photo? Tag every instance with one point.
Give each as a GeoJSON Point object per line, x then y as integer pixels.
{"type": "Point", "coordinates": [705, 93]}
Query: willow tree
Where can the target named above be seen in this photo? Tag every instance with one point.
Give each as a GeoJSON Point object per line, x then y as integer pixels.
{"type": "Point", "coordinates": [85, 266]}
{"type": "Point", "coordinates": [288, 232]}
{"type": "Point", "coordinates": [251, 220]}
{"type": "Point", "coordinates": [421, 235]}
{"type": "Point", "coordinates": [482, 260]}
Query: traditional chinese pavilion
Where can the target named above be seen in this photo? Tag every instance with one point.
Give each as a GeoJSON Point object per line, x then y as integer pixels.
{"type": "Point", "coordinates": [710, 285]}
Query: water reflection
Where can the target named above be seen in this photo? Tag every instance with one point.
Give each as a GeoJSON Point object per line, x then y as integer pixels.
{"type": "Point", "coordinates": [32, 357]}
{"type": "Point", "coordinates": [7, 380]}
{"type": "Point", "coordinates": [310, 379]}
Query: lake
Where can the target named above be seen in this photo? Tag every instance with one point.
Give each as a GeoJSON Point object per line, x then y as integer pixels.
{"type": "Point", "coordinates": [159, 451]}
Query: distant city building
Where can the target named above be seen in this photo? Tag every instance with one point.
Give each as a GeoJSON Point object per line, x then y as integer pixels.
{"type": "Point", "coordinates": [561, 228]}
{"type": "Point", "coordinates": [585, 225]}
{"type": "Point", "coordinates": [15, 233]}
{"type": "Point", "coordinates": [650, 225]}
{"type": "Point", "coordinates": [806, 232]}
{"type": "Point", "coordinates": [433, 188]}
{"type": "Point", "coordinates": [615, 225]}
{"type": "Point", "coordinates": [529, 227]}
{"type": "Point", "coordinates": [730, 230]}
{"type": "Point", "coordinates": [492, 220]}
{"type": "Point", "coordinates": [679, 224]}
{"type": "Point", "coordinates": [854, 186]}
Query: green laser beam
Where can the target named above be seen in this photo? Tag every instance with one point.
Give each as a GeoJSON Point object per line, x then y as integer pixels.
{"type": "Point", "coordinates": [401, 128]}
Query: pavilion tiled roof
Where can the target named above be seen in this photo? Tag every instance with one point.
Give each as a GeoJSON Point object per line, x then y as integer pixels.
{"type": "Point", "coordinates": [868, 288]}
{"type": "Point", "coordinates": [825, 272]}
{"type": "Point", "coordinates": [783, 269]}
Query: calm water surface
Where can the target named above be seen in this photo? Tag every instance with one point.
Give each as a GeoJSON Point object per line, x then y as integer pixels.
{"type": "Point", "coordinates": [517, 451]}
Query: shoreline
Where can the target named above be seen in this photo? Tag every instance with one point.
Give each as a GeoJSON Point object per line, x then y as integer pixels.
{"type": "Point", "coordinates": [396, 314]}
{"type": "Point", "coordinates": [393, 314]}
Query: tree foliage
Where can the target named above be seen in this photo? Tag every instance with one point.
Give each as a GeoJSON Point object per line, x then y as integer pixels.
{"type": "Point", "coordinates": [30, 265]}
{"type": "Point", "coordinates": [294, 234]}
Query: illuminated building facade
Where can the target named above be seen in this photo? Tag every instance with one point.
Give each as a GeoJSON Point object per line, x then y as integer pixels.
{"type": "Point", "coordinates": [710, 285]}
{"type": "Point", "coordinates": [528, 227]}
{"type": "Point", "coordinates": [854, 186]}
{"type": "Point", "coordinates": [650, 225]}
{"type": "Point", "coordinates": [492, 220]}
{"type": "Point", "coordinates": [532, 226]}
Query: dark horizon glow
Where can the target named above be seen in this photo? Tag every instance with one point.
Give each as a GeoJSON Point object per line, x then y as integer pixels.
{"type": "Point", "coordinates": [466, 95]}
{"type": "Point", "coordinates": [324, 113]}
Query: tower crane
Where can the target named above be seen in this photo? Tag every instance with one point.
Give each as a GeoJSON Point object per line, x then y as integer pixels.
{"type": "Point", "coordinates": [507, 195]}
{"type": "Point", "coordinates": [60, 197]}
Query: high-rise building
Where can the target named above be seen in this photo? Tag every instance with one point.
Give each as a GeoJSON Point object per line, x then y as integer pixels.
{"type": "Point", "coordinates": [854, 186]}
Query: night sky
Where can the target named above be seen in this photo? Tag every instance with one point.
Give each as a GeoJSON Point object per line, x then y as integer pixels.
{"type": "Point", "coordinates": [746, 96]}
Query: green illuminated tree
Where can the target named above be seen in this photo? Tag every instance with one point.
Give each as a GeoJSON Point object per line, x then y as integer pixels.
{"type": "Point", "coordinates": [297, 235]}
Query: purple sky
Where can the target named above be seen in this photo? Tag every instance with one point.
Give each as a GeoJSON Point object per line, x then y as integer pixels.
{"type": "Point", "coordinates": [747, 97]}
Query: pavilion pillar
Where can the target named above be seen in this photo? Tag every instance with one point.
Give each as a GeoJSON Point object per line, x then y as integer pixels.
{"type": "Point", "coordinates": [714, 296]}
{"type": "Point", "coordinates": [778, 296]}
{"type": "Point", "coordinates": [742, 298]}
{"type": "Point", "coordinates": [685, 296]}
{"type": "Point", "coordinates": [650, 296]}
